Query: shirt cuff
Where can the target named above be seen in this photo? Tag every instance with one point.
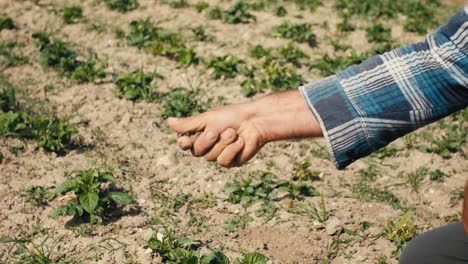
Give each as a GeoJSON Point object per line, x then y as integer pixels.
{"type": "Point", "coordinates": [342, 127]}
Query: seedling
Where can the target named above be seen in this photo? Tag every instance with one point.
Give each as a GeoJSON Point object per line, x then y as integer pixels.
{"type": "Point", "coordinates": [38, 195]}
{"type": "Point", "coordinates": [366, 193]}
{"type": "Point", "coordinates": [302, 172]}
{"type": "Point", "coordinates": [200, 6]}
{"type": "Point", "coordinates": [137, 85]}
{"type": "Point", "coordinates": [297, 191]}
{"type": "Point", "coordinates": [93, 199]}
{"type": "Point", "coordinates": [257, 186]}
{"type": "Point", "coordinates": [281, 11]}
{"type": "Point", "coordinates": [28, 251]}
{"type": "Point", "coordinates": [456, 196]}
{"type": "Point", "coordinates": [345, 25]}
{"type": "Point", "coordinates": [330, 65]}
{"type": "Point", "coordinates": [238, 13]}
{"type": "Point", "coordinates": [6, 22]}
{"type": "Point", "coordinates": [71, 14]}
{"type": "Point", "coordinates": [301, 33]}
{"type": "Point", "coordinates": [176, 3]}
{"type": "Point", "coordinates": [181, 102]}
{"type": "Point", "coordinates": [201, 35]}
{"type": "Point", "coordinates": [437, 175]}
{"type": "Point", "coordinates": [8, 58]}
{"type": "Point", "coordinates": [227, 66]}
{"type": "Point", "coordinates": [122, 5]}
{"type": "Point", "coordinates": [271, 76]}
{"type": "Point", "coordinates": [184, 250]}
{"type": "Point", "coordinates": [369, 174]}
{"type": "Point", "coordinates": [400, 231]}
{"type": "Point", "coordinates": [215, 13]}
{"type": "Point", "coordinates": [58, 55]}
{"type": "Point", "coordinates": [414, 179]}
{"type": "Point", "coordinates": [378, 33]}
{"type": "Point", "coordinates": [321, 214]}
{"type": "Point", "coordinates": [159, 41]}
{"type": "Point", "coordinates": [311, 4]}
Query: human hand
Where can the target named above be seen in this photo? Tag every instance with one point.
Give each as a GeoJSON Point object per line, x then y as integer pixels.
{"type": "Point", "coordinates": [234, 134]}
{"type": "Point", "coordinates": [465, 209]}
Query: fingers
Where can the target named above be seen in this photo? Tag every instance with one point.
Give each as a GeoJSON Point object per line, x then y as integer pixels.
{"type": "Point", "coordinates": [250, 149]}
{"type": "Point", "coordinates": [186, 142]}
{"type": "Point", "coordinates": [227, 158]}
{"type": "Point", "coordinates": [188, 124]}
{"type": "Point", "coordinates": [227, 137]}
{"type": "Point", "coordinates": [205, 142]}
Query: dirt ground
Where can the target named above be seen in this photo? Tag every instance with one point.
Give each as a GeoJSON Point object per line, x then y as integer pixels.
{"type": "Point", "coordinates": [133, 141]}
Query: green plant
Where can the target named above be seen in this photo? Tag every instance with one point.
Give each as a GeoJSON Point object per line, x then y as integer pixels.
{"type": "Point", "coordinates": [176, 3]}
{"type": "Point", "coordinates": [414, 179]}
{"type": "Point", "coordinates": [227, 66]}
{"type": "Point", "coordinates": [378, 33]}
{"type": "Point", "coordinates": [43, 252]}
{"type": "Point", "coordinates": [400, 231]}
{"type": "Point", "coordinates": [330, 65]}
{"type": "Point", "coordinates": [122, 5]}
{"type": "Point", "coordinates": [58, 55]}
{"type": "Point", "coordinates": [281, 11]}
{"type": "Point", "coordinates": [321, 214]}
{"type": "Point", "coordinates": [181, 102]}
{"type": "Point", "coordinates": [369, 174]}
{"type": "Point", "coordinates": [345, 25]}
{"type": "Point", "coordinates": [158, 41]}
{"type": "Point", "coordinates": [6, 22]}
{"type": "Point", "coordinates": [137, 85]}
{"type": "Point", "coordinates": [238, 13]}
{"type": "Point", "coordinates": [71, 14]}
{"type": "Point", "coordinates": [93, 199]}
{"type": "Point", "coordinates": [184, 250]}
{"type": "Point", "coordinates": [8, 58]}
{"type": "Point", "coordinates": [311, 4]}
{"type": "Point", "coordinates": [38, 195]}
{"type": "Point", "coordinates": [302, 172]}
{"type": "Point", "coordinates": [291, 53]}
{"type": "Point", "coordinates": [200, 34]}
{"type": "Point", "coordinates": [200, 6]}
{"type": "Point", "coordinates": [366, 193]}
{"type": "Point", "coordinates": [271, 76]}
{"type": "Point", "coordinates": [215, 13]}
{"type": "Point", "coordinates": [437, 175]}
{"type": "Point", "coordinates": [298, 32]}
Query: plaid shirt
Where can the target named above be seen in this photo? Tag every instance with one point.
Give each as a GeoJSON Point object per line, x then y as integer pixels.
{"type": "Point", "coordinates": [367, 106]}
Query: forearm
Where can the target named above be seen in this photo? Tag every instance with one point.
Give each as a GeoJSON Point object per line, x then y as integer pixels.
{"type": "Point", "coordinates": [367, 106]}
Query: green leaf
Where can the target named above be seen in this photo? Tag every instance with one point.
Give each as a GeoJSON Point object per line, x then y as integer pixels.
{"type": "Point", "coordinates": [89, 201]}
{"type": "Point", "coordinates": [13, 240]}
{"type": "Point", "coordinates": [66, 186]}
{"type": "Point", "coordinates": [254, 258]}
{"type": "Point", "coordinates": [120, 198]}
{"type": "Point", "coordinates": [107, 177]}
{"type": "Point", "coordinates": [216, 257]}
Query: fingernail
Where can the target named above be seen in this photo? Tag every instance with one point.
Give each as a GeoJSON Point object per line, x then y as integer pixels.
{"type": "Point", "coordinates": [211, 135]}
{"type": "Point", "coordinates": [239, 141]}
{"type": "Point", "coordinates": [172, 119]}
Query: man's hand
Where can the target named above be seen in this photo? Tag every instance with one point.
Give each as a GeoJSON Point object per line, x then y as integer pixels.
{"type": "Point", "coordinates": [233, 134]}
{"type": "Point", "coordinates": [465, 209]}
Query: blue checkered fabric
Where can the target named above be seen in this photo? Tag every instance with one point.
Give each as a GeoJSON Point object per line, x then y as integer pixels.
{"type": "Point", "coordinates": [367, 106]}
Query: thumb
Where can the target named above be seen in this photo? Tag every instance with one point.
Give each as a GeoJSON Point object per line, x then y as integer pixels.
{"type": "Point", "coordinates": [188, 124]}
{"type": "Point", "coordinates": [465, 209]}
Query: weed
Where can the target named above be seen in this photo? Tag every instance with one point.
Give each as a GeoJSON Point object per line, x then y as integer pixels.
{"type": "Point", "coordinates": [291, 53]}
{"type": "Point", "coordinates": [71, 14]}
{"type": "Point", "coordinates": [301, 172]}
{"type": "Point", "coordinates": [366, 193]}
{"type": "Point", "coordinates": [311, 4]}
{"type": "Point", "coordinates": [238, 222]}
{"type": "Point", "coordinates": [414, 179]}
{"type": "Point", "coordinates": [184, 250]}
{"type": "Point", "coordinates": [330, 65]}
{"type": "Point", "coordinates": [400, 231]}
{"type": "Point", "coordinates": [38, 195]}
{"type": "Point", "coordinates": [6, 22]}
{"type": "Point", "coordinates": [200, 6]}
{"type": "Point", "coordinates": [215, 13]}
{"type": "Point", "coordinates": [454, 138]}
{"type": "Point", "coordinates": [122, 5]}
{"type": "Point", "coordinates": [227, 66]}
{"type": "Point", "coordinates": [281, 11]}
{"type": "Point", "coordinates": [181, 102]}
{"type": "Point", "coordinates": [437, 175]}
{"type": "Point", "coordinates": [176, 3]}
{"type": "Point", "coordinates": [369, 174]}
{"type": "Point", "coordinates": [8, 58]}
{"type": "Point", "coordinates": [158, 41]}
{"type": "Point", "coordinates": [137, 85]}
{"type": "Point", "coordinates": [237, 14]}
{"type": "Point", "coordinates": [345, 25]}
{"type": "Point", "coordinates": [93, 200]}
{"type": "Point", "coordinates": [28, 251]}
{"type": "Point", "coordinates": [378, 33]}
{"type": "Point", "coordinates": [301, 33]}
{"type": "Point", "coordinates": [455, 197]}
{"type": "Point", "coordinates": [200, 34]}
{"type": "Point", "coordinates": [58, 55]}
{"type": "Point", "coordinates": [389, 151]}
{"type": "Point", "coordinates": [8, 101]}
{"type": "Point", "coordinates": [258, 51]}
{"type": "Point", "coordinates": [297, 191]}
{"type": "Point", "coordinates": [271, 76]}
{"type": "Point", "coordinates": [321, 214]}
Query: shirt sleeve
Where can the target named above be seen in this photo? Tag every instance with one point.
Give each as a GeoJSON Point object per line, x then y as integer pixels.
{"type": "Point", "coordinates": [367, 106]}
